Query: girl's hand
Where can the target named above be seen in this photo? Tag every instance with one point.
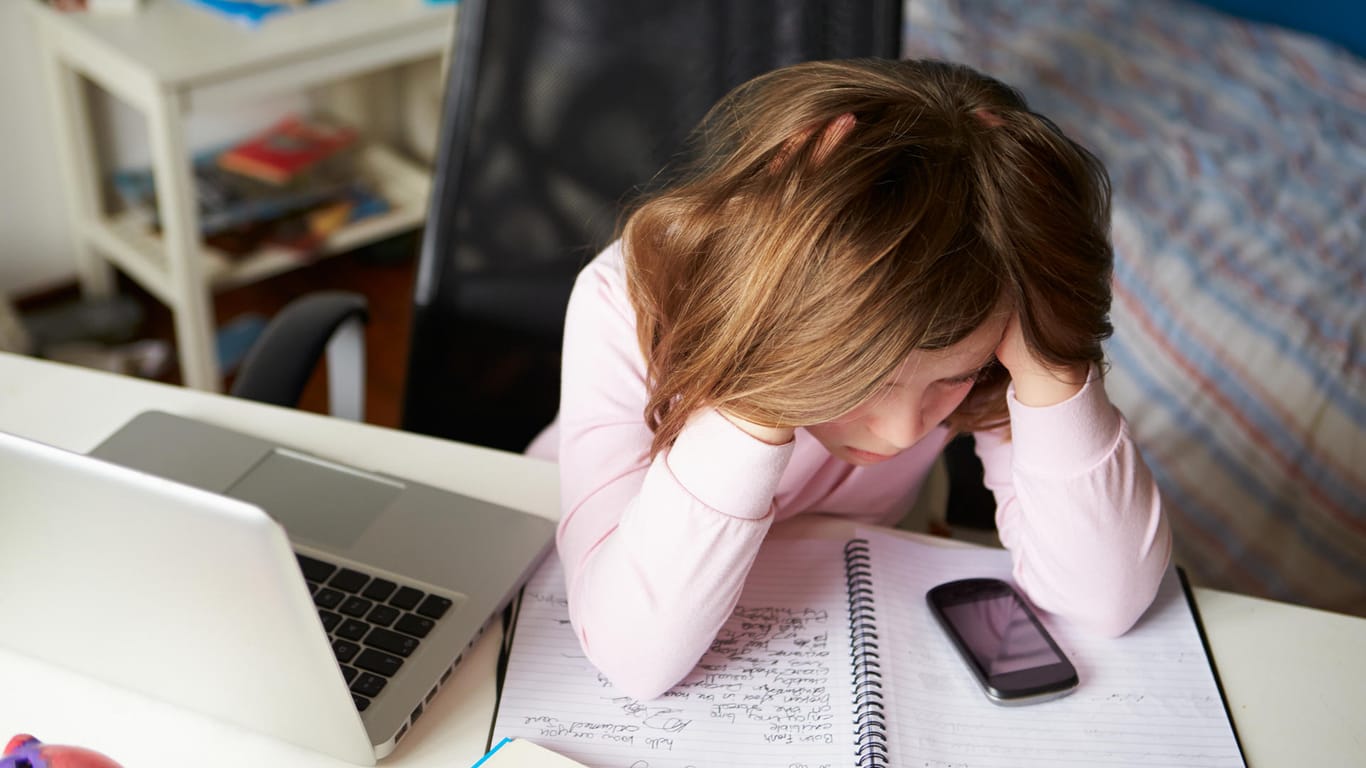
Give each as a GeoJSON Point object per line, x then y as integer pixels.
{"type": "Point", "coordinates": [770, 435]}
{"type": "Point", "coordinates": [1037, 383]}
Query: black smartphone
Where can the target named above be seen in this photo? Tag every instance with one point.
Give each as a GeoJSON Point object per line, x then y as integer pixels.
{"type": "Point", "coordinates": [1003, 642]}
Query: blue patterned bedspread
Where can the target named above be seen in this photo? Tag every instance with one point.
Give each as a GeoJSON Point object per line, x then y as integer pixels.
{"type": "Point", "coordinates": [1238, 157]}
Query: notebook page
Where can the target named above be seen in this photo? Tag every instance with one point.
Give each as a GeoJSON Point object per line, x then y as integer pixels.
{"type": "Point", "coordinates": [774, 689]}
{"type": "Point", "coordinates": [1147, 698]}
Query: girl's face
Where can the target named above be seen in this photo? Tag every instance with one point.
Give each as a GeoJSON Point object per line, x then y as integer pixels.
{"type": "Point", "coordinates": [927, 387]}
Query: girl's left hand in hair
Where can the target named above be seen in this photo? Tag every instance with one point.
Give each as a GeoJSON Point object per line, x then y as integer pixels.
{"type": "Point", "coordinates": [1037, 383]}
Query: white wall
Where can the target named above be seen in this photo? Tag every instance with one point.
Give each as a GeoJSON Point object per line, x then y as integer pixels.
{"type": "Point", "coordinates": [35, 249]}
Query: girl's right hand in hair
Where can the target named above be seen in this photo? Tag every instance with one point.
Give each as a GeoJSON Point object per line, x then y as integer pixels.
{"type": "Point", "coordinates": [770, 435]}
{"type": "Point", "coordinates": [1037, 383]}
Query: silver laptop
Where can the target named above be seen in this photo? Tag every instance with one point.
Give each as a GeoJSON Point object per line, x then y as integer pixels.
{"type": "Point", "coordinates": [314, 602]}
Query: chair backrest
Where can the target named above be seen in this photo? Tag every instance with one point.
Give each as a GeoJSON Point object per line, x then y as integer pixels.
{"type": "Point", "coordinates": [557, 112]}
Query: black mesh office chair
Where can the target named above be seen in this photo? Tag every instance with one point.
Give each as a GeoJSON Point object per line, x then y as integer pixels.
{"type": "Point", "coordinates": [556, 113]}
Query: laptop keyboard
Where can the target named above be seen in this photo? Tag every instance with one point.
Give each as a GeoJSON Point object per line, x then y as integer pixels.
{"type": "Point", "coordinates": [373, 623]}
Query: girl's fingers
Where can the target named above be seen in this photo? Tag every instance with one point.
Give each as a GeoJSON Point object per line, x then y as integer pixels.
{"type": "Point", "coordinates": [831, 136]}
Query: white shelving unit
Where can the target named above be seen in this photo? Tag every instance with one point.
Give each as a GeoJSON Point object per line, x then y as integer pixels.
{"type": "Point", "coordinates": [171, 57]}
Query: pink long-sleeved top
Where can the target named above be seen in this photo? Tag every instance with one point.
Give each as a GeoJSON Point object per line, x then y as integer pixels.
{"type": "Point", "coordinates": [656, 551]}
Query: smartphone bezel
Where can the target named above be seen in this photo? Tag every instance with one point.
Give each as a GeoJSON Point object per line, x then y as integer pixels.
{"type": "Point", "coordinates": [1024, 686]}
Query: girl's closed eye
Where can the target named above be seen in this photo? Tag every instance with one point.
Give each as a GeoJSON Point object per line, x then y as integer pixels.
{"type": "Point", "coordinates": [967, 378]}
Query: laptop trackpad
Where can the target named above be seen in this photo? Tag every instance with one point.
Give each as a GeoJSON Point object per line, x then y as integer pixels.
{"type": "Point", "coordinates": [316, 500]}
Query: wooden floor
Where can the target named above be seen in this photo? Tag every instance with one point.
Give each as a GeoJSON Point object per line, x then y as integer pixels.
{"type": "Point", "coordinates": [382, 273]}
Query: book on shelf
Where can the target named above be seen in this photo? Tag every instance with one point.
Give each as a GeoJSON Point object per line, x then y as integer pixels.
{"type": "Point", "coordinates": [304, 232]}
{"type": "Point", "coordinates": [805, 674]}
{"type": "Point", "coordinates": [226, 199]}
{"type": "Point", "coordinates": [238, 214]}
{"type": "Point", "coordinates": [291, 149]}
{"type": "Point", "coordinates": [307, 232]}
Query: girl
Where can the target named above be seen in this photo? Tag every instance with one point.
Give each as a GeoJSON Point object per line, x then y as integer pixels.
{"type": "Point", "coordinates": [866, 258]}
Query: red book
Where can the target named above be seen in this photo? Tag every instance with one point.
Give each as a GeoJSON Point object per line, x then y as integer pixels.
{"type": "Point", "coordinates": [289, 149]}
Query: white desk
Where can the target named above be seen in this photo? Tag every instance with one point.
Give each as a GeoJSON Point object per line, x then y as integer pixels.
{"type": "Point", "coordinates": [171, 57]}
{"type": "Point", "coordinates": [1295, 677]}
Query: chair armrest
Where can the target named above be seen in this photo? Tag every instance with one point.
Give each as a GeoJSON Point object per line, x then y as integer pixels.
{"type": "Point", "coordinates": [282, 360]}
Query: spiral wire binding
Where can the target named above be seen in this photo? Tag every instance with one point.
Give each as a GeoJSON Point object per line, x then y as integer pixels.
{"type": "Point", "coordinates": [870, 719]}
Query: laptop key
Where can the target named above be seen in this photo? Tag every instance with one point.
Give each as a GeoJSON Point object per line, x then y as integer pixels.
{"type": "Point", "coordinates": [392, 642]}
{"type": "Point", "coordinates": [315, 570]}
{"type": "Point", "coordinates": [352, 629]}
{"type": "Point", "coordinates": [328, 598]}
{"type": "Point", "coordinates": [348, 580]}
{"type": "Point", "coordinates": [368, 685]}
{"type": "Point", "coordinates": [407, 598]}
{"type": "Point", "coordinates": [345, 650]}
{"type": "Point", "coordinates": [382, 615]}
{"type": "Point", "coordinates": [379, 589]}
{"type": "Point", "coordinates": [330, 619]}
{"type": "Point", "coordinates": [434, 607]}
{"type": "Point", "coordinates": [361, 702]}
{"type": "Point", "coordinates": [415, 625]}
{"type": "Point", "coordinates": [349, 673]}
{"type": "Point", "coordinates": [355, 606]}
{"type": "Point", "coordinates": [378, 662]}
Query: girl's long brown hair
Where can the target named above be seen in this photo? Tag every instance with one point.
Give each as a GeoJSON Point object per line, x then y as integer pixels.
{"type": "Point", "coordinates": [785, 284]}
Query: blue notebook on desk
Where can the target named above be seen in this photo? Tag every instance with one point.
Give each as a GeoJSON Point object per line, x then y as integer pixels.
{"type": "Point", "coordinates": [798, 676]}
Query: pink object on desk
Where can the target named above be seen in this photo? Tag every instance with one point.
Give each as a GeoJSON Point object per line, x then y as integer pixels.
{"type": "Point", "coordinates": [25, 751]}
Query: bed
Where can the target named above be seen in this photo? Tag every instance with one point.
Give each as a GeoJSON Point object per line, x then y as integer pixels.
{"type": "Point", "coordinates": [1237, 151]}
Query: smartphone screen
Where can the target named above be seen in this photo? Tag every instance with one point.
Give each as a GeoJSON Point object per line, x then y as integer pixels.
{"type": "Point", "coordinates": [1004, 643]}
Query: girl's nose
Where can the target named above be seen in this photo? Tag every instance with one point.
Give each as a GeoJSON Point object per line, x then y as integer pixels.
{"type": "Point", "coordinates": [898, 420]}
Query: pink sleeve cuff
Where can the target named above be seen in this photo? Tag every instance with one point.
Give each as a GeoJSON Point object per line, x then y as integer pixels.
{"type": "Point", "coordinates": [1067, 438]}
{"type": "Point", "coordinates": [725, 468]}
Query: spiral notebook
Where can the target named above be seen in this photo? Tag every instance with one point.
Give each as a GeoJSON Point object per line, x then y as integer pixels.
{"type": "Point", "coordinates": [832, 659]}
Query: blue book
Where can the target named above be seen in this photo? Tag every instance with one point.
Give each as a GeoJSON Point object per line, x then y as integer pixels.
{"type": "Point", "coordinates": [250, 14]}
